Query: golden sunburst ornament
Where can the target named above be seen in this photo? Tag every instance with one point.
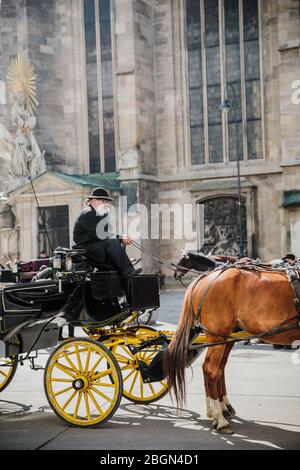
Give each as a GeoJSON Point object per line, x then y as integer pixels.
{"type": "Point", "coordinates": [21, 79]}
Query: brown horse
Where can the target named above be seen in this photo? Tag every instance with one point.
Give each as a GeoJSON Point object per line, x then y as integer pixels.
{"type": "Point", "coordinates": [255, 300]}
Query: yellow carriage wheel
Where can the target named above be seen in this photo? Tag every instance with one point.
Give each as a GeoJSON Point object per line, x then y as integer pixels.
{"type": "Point", "coordinates": [8, 367]}
{"type": "Point", "coordinates": [7, 371]}
{"type": "Point", "coordinates": [134, 389]}
{"type": "Point", "coordinates": [83, 382]}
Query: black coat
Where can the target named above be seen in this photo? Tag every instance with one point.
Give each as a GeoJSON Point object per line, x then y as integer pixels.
{"type": "Point", "coordinates": [85, 228]}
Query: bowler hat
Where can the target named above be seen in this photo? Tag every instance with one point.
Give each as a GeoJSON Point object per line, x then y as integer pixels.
{"type": "Point", "coordinates": [99, 193]}
{"type": "Point", "coordinates": [289, 256]}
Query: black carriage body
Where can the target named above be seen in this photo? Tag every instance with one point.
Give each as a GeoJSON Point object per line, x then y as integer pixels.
{"type": "Point", "coordinates": [26, 310]}
{"type": "Point", "coordinates": [30, 301]}
{"type": "Point", "coordinates": [104, 287]}
{"type": "Point", "coordinates": [29, 309]}
{"type": "Point", "coordinates": [144, 291]}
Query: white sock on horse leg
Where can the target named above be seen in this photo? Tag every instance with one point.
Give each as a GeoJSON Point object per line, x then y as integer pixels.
{"type": "Point", "coordinates": [223, 405]}
{"type": "Point", "coordinates": [217, 414]}
{"type": "Point", "coordinates": [225, 400]}
{"type": "Point", "coordinates": [208, 408]}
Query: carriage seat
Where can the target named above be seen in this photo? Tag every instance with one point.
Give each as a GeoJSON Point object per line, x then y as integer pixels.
{"type": "Point", "coordinates": [103, 266]}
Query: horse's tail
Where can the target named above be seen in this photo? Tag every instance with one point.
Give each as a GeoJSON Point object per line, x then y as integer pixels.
{"type": "Point", "coordinates": [176, 357]}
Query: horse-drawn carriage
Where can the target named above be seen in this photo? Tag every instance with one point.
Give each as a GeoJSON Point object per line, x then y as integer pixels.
{"type": "Point", "coordinates": [85, 377]}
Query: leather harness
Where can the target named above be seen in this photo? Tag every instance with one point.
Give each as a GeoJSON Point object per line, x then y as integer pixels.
{"type": "Point", "coordinates": [293, 277]}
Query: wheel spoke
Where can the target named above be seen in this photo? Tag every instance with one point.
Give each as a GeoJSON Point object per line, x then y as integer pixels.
{"type": "Point", "coordinates": [65, 369]}
{"type": "Point", "coordinates": [141, 387]}
{"type": "Point", "coordinates": [95, 402]}
{"type": "Point", "coordinates": [87, 361]}
{"type": "Point", "coordinates": [127, 352]}
{"type": "Point", "coordinates": [61, 380]}
{"type": "Point", "coordinates": [129, 375]}
{"type": "Point", "coordinates": [69, 400]}
{"type": "Point", "coordinates": [150, 355]}
{"type": "Point", "coordinates": [70, 362]}
{"type": "Point", "coordinates": [86, 399]}
{"type": "Point", "coordinates": [77, 404]}
{"type": "Point", "coordinates": [101, 394]}
{"type": "Point", "coordinates": [133, 382]}
{"type": "Point", "coordinates": [96, 364]}
{"type": "Point", "coordinates": [78, 359]}
{"type": "Point", "coordinates": [3, 373]}
{"type": "Point", "coordinates": [152, 388]}
{"type": "Point", "coordinates": [121, 358]}
{"type": "Point", "coordinates": [62, 391]}
{"type": "Point", "coordinates": [101, 374]}
{"type": "Point", "coordinates": [100, 384]}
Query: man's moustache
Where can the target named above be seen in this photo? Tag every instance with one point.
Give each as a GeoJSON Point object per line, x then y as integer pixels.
{"type": "Point", "coordinates": [103, 210]}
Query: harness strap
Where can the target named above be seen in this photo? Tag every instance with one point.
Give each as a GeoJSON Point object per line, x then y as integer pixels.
{"type": "Point", "coordinates": [293, 277]}
{"type": "Point", "coordinates": [198, 313]}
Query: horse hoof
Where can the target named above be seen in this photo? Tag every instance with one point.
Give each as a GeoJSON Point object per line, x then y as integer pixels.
{"type": "Point", "coordinates": [225, 430]}
{"type": "Point", "coordinates": [226, 414]}
{"type": "Point", "coordinates": [231, 410]}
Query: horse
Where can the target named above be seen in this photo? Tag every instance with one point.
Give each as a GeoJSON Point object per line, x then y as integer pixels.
{"type": "Point", "coordinates": [199, 262]}
{"type": "Point", "coordinates": [258, 300]}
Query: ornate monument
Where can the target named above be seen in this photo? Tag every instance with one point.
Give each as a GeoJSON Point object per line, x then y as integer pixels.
{"type": "Point", "coordinates": [20, 156]}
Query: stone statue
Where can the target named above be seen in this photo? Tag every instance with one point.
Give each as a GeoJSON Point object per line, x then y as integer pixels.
{"type": "Point", "coordinates": [20, 157]}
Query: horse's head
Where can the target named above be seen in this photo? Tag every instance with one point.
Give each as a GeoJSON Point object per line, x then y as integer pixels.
{"type": "Point", "coordinates": [192, 260]}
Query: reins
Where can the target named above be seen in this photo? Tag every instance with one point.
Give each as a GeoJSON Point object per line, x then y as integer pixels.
{"type": "Point", "coordinates": [169, 264]}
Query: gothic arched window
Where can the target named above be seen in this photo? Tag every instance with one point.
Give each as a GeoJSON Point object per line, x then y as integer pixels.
{"type": "Point", "coordinates": [224, 54]}
{"type": "Point", "coordinates": [99, 76]}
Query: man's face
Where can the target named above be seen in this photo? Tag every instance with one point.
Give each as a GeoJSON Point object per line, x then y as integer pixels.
{"type": "Point", "coordinates": [100, 203]}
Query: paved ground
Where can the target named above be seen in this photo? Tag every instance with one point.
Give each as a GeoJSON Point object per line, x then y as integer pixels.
{"type": "Point", "coordinates": [263, 384]}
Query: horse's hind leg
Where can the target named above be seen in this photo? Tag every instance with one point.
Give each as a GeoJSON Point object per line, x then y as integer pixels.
{"type": "Point", "coordinates": [227, 408]}
{"type": "Point", "coordinates": [212, 370]}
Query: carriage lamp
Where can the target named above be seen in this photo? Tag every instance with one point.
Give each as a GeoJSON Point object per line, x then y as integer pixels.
{"type": "Point", "coordinates": [68, 263]}
{"type": "Point", "coordinates": [56, 262]}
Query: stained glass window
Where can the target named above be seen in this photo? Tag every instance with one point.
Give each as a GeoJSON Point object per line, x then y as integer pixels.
{"type": "Point", "coordinates": [252, 78]}
{"type": "Point", "coordinates": [213, 80]}
{"type": "Point", "coordinates": [195, 81]}
{"type": "Point", "coordinates": [94, 64]}
{"type": "Point", "coordinates": [107, 85]}
{"type": "Point", "coordinates": [223, 36]}
{"type": "Point", "coordinates": [233, 78]}
{"type": "Point", "coordinates": [92, 85]}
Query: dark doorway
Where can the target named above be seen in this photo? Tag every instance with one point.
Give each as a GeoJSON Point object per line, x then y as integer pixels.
{"type": "Point", "coordinates": [56, 219]}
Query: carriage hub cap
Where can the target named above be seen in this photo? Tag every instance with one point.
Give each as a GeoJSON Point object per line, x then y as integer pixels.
{"type": "Point", "coordinates": [80, 383]}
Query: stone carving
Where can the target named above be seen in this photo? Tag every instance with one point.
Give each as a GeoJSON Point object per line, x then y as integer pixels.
{"type": "Point", "coordinates": [221, 230]}
{"type": "Point", "coordinates": [21, 156]}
